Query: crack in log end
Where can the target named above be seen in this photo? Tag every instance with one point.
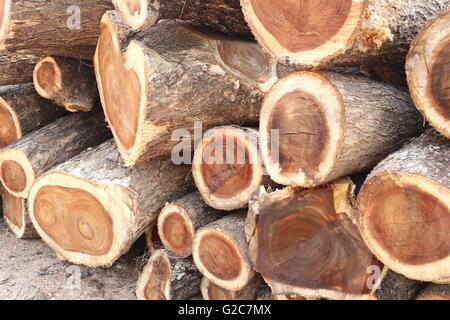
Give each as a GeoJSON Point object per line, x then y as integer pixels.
{"type": "Point", "coordinates": [13, 176]}
{"type": "Point", "coordinates": [5, 7]}
{"type": "Point", "coordinates": [302, 25]}
{"type": "Point", "coordinates": [74, 219]}
{"type": "Point", "coordinates": [13, 210]}
{"type": "Point", "coordinates": [8, 125]}
{"type": "Point", "coordinates": [177, 231]}
{"type": "Point", "coordinates": [303, 134]}
{"type": "Point", "coordinates": [409, 224]}
{"type": "Point", "coordinates": [159, 277]}
{"type": "Point", "coordinates": [440, 81]}
{"type": "Point", "coordinates": [121, 93]}
{"type": "Point", "coordinates": [304, 244]}
{"type": "Point", "coordinates": [220, 256]}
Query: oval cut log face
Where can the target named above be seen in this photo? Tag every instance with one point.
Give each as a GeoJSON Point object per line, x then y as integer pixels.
{"type": "Point", "coordinates": [177, 233]}
{"type": "Point", "coordinates": [226, 167]}
{"type": "Point", "coordinates": [121, 89]}
{"type": "Point", "coordinates": [46, 78]}
{"type": "Point", "coordinates": [160, 274]}
{"type": "Point", "coordinates": [302, 133]}
{"type": "Point", "coordinates": [74, 219]}
{"type": "Point", "coordinates": [440, 81]}
{"type": "Point", "coordinates": [217, 293]}
{"type": "Point", "coordinates": [220, 256]}
{"type": "Point", "coordinates": [304, 243]}
{"type": "Point", "coordinates": [8, 130]}
{"type": "Point", "coordinates": [302, 25]}
{"type": "Point", "coordinates": [246, 58]}
{"type": "Point", "coordinates": [408, 223]}
{"type": "Point", "coordinates": [13, 176]}
{"type": "Point", "coordinates": [13, 210]}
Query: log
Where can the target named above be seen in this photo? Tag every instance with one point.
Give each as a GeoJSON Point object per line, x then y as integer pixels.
{"type": "Point", "coordinates": [92, 208]}
{"type": "Point", "coordinates": [15, 212]}
{"type": "Point", "coordinates": [313, 126]}
{"type": "Point", "coordinates": [404, 209]}
{"type": "Point", "coordinates": [52, 27]}
{"type": "Point", "coordinates": [435, 292]}
{"type": "Point", "coordinates": [252, 291]}
{"type": "Point", "coordinates": [22, 111]}
{"type": "Point", "coordinates": [227, 167]}
{"type": "Point", "coordinates": [304, 243]}
{"type": "Point", "coordinates": [345, 32]}
{"type": "Point", "coordinates": [187, 77]}
{"type": "Point", "coordinates": [68, 82]}
{"type": "Point", "coordinates": [16, 68]}
{"type": "Point", "coordinates": [223, 15]}
{"type": "Point", "coordinates": [179, 220]}
{"type": "Point", "coordinates": [26, 159]}
{"type": "Point", "coordinates": [394, 286]}
{"type": "Point", "coordinates": [220, 252]}
{"type": "Point", "coordinates": [428, 72]}
{"type": "Point", "coordinates": [168, 277]}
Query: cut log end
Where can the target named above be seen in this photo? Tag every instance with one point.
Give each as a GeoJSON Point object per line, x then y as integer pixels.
{"type": "Point", "coordinates": [210, 291]}
{"type": "Point", "coordinates": [305, 244]}
{"type": "Point", "coordinates": [405, 221]}
{"type": "Point", "coordinates": [47, 78]}
{"type": "Point", "coordinates": [10, 129]}
{"type": "Point", "coordinates": [428, 70]}
{"type": "Point", "coordinates": [79, 219]}
{"type": "Point", "coordinates": [155, 280]}
{"type": "Point", "coordinates": [133, 12]}
{"type": "Point", "coordinates": [306, 32]}
{"type": "Point", "coordinates": [126, 88]}
{"type": "Point", "coordinates": [301, 129]}
{"type": "Point", "coordinates": [227, 167]}
{"type": "Point", "coordinates": [14, 214]}
{"type": "Point", "coordinates": [176, 230]}
{"type": "Point", "coordinates": [219, 258]}
{"type": "Point", "coordinates": [16, 172]}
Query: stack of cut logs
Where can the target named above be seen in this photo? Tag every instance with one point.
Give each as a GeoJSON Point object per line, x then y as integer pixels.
{"type": "Point", "coordinates": [237, 135]}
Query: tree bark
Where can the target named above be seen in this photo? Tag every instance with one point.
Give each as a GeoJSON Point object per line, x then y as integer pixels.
{"type": "Point", "coordinates": [316, 127]}
{"type": "Point", "coordinates": [428, 72]}
{"type": "Point", "coordinates": [394, 286]}
{"type": "Point", "coordinates": [26, 159]}
{"type": "Point", "coordinates": [342, 32]}
{"type": "Point", "coordinates": [180, 219]}
{"type": "Point", "coordinates": [220, 252]}
{"type": "Point", "coordinates": [68, 82]}
{"type": "Point", "coordinates": [252, 291]}
{"type": "Point", "coordinates": [304, 243]}
{"type": "Point", "coordinates": [22, 111]}
{"type": "Point", "coordinates": [404, 209]}
{"type": "Point", "coordinates": [435, 292]}
{"type": "Point", "coordinates": [16, 68]}
{"type": "Point", "coordinates": [223, 15]}
{"type": "Point", "coordinates": [15, 212]}
{"type": "Point", "coordinates": [51, 27]}
{"type": "Point", "coordinates": [168, 277]}
{"type": "Point", "coordinates": [227, 167]}
{"type": "Point", "coordinates": [184, 78]}
{"type": "Point", "coordinates": [118, 203]}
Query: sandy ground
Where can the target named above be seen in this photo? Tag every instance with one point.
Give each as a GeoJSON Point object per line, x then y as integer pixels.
{"type": "Point", "coordinates": [30, 270]}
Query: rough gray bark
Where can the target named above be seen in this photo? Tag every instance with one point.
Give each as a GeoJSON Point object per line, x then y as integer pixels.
{"type": "Point", "coordinates": [76, 90]}
{"type": "Point", "coordinates": [377, 116]}
{"type": "Point", "coordinates": [16, 68]}
{"type": "Point", "coordinates": [223, 15]}
{"type": "Point", "coordinates": [397, 287]}
{"type": "Point", "coordinates": [185, 281]}
{"type": "Point", "coordinates": [186, 82]}
{"type": "Point", "coordinates": [31, 112]}
{"type": "Point", "coordinates": [41, 27]}
{"type": "Point", "coordinates": [56, 143]}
